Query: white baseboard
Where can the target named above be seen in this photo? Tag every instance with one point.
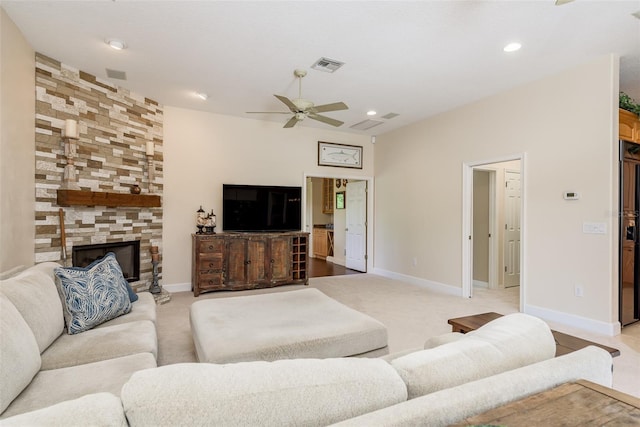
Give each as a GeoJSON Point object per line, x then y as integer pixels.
{"type": "Point", "coordinates": [339, 261]}
{"type": "Point", "coordinates": [429, 284]}
{"type": "Point", "coordinates": [177, 287]}
{"type": "Point", "coordinates": [481, 284]}
{"type": "Point", "coordinates": [586, 324]}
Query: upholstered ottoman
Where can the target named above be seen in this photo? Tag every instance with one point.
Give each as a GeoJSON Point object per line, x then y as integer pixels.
{"type": "Point", "coordinates": [283, 325]}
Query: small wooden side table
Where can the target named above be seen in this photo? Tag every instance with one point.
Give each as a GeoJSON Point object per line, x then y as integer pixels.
{"type": "Point", "coordinates": [580, 403]}
{"type": "Point", "coordinates": [564, 343]}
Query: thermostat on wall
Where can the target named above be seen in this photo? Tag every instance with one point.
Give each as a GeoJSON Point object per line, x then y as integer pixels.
{"type": "Point", "coordinates": [571, 195]}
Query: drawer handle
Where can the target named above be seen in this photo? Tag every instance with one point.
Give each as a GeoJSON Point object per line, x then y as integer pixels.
{"type": "Point", "coordinates": [211, 282]}
{"type": "Point", "coordinates": [210, 247]}
{"type": "Point", "coordinates": [272, 261]}
{"type": "Point", "coordinates": [211, 265]}
{"type": "Point", "coordinates": [248, 262]}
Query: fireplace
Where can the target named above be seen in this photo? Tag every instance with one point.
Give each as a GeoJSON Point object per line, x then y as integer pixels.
{"type": "Point", "coordinates": [127, 254]}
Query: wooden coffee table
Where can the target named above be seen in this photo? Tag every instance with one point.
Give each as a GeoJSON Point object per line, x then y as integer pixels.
{"type": "Point", "coordinates": [564, 343]}
{"type": "Point", "coordinates": [580, 403]}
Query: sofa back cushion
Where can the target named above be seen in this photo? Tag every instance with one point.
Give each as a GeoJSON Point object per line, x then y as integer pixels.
{"type": "Point", "coordinates": [19, 353]}
{"type": "Point", "coordinates": [285, 392]}
{"type": "Point", "coordinates": [506, 343]}
{"type": "Point", "coordinates": [34, 294]}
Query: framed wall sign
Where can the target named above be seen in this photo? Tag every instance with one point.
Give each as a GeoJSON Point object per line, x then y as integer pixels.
{"type": "Point", "coordinates": [340, 200]}
{"type": "Point", "coordinates": [341, 155]}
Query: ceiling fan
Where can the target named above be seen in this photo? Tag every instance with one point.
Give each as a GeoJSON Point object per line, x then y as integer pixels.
{"type": "Point", "coordinates": [303, 108]}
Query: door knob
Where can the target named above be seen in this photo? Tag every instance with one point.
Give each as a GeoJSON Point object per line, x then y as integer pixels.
{"type": "Point", "coordinates": [631, 232]}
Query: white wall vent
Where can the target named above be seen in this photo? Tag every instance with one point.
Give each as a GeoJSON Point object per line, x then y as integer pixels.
{"type": "Point", "coordinates": [366, 124]}
{"type": "Point", "coordinates": [327, 65]}
{"type": "Point", "coordinates": [115, 74]}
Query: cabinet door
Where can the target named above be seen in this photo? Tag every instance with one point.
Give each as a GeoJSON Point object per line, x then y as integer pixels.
{"type": "Point", "coordinates": [236, 261]}
{"type": "Point", "coordinates": [327, 195]}
{"type": "Point", "coordinates": [257, 261]}
{"type": "Point", "coordinates": [629, 126]}
{"type": "Point", "coordinates": [320, 243]}
{"type": "Point", "coordinates": [280, 259]}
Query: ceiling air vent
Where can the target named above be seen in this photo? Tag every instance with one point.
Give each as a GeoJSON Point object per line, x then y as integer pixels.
{"type": "Point", "coordinates": [327, 65]}
{"type": "Point", "coordinates": [390, 116]}
{"type": "Point", "coordinates": [366, 124]}
{"type": "Point", "coordinates": [115, 74]}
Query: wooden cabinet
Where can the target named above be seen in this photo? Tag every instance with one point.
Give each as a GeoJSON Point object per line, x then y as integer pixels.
{"type": "Point", "coordinates": [327, 195]}
{"type": "Point", "coordinates": [322, 242]}
{"type": "Point", "coordinates": [629, 126]}
{"type": "Point", "coordinates": [207, 264]}
{"type": "Point", "coordinates": [236, 261]}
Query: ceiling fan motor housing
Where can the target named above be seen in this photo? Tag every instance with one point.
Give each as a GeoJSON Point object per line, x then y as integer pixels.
{"type": "Point", "coordinates": [302, 104]}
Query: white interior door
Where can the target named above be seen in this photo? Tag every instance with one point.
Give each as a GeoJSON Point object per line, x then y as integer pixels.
{"type": "Point", "coordinates": [356, 229]}
{"type": "Point", "coordinates": [512, 229]}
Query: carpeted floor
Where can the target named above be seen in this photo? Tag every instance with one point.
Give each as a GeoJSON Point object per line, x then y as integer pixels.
{"type": "Point", "coordinates": [411, 314]}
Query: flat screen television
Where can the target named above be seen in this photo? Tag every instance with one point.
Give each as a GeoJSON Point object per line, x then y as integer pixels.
{"type": "Point", "coordinates": [259, 208]}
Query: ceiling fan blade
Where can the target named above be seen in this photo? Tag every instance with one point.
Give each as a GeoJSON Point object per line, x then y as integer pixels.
{"type": "Point", "coordinates": [286, 101]}
{"type": "Point", "coordinates": [336, 106]}
{"type": "Point", "coordinates": [325, 119]}
{"type": "Point", "coordinates": [291, 123]}
{"type": "Point", "coordinates": [267, 112]}
{"type": "Point", "coordinates": [561, 2]}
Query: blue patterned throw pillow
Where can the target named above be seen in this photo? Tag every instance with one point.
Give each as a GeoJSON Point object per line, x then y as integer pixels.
{"type": "Point", "coordinates": [92, 295]}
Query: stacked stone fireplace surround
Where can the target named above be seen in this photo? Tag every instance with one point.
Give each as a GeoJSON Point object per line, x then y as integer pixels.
{"type": "Point", "coordinates": [114, 126]}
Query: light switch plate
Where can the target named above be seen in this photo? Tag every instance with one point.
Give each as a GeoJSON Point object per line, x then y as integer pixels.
{"type": "Point", "coordinates": [594, 228]}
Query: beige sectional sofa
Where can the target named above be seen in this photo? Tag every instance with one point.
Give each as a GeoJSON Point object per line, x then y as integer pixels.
{"type": "Point", "coordinates": [41, 365]}
{"type": "Point", "coordinates": [454, 377]}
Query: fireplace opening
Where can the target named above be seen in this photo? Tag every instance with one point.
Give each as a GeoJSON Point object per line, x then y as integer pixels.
{"type": "Point", "coordinates": [127, 255]}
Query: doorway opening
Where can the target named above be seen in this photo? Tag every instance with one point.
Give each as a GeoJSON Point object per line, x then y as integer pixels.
{"type": "Point", "coordinates": [337, 211]}
{"type": "Point", "coordinates": [493, 226]}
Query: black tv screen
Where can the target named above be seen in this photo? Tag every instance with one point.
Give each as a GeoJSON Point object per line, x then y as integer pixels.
{"type": "Point", "coordinates": [261, 208]}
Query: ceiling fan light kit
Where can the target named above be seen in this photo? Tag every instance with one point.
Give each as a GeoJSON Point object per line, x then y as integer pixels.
{"type": "Point", "coordinates": [303, 108]}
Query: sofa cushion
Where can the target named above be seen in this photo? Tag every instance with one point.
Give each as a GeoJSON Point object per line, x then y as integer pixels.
{"type": "Point", "coordinates": [19, 354]}
{"type": "Point", "coordinates": [100, 409]}
{"type": "Point", "coordinates": [503, 344]}
{"type": "Point", "coordinates": [143, 309]}
{"type": "Point", "coordinates": [101, 344]}
{"type": "Point", "coordinates": [285, 392]}
{"type": "Point", "coordinates": [58, 385]}
{"type": "Point", "coordinates": [94, 294]}
{"type": "Point", "coordinates": [34, 294]}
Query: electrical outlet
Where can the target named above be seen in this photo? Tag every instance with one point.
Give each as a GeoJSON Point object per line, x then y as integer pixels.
{"type": "Point", "coordinates": [578, 291]}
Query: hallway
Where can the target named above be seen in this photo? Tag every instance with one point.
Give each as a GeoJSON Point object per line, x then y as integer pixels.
{"type": "Point", "coordinates": [320, 268]}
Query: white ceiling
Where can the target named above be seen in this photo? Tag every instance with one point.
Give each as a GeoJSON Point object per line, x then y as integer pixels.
{"type": "Point", "coordinates": [413, 58]}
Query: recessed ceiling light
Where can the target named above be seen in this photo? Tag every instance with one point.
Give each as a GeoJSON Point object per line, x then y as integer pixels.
{"type": "Point", "coordinates": [512, 47]}
{"type": "Point", "coordinates": [202, 96]}
{"type": "Point", "coordinates": [116, 44]}
{"type": "Point", "coordinates": [371, 113]}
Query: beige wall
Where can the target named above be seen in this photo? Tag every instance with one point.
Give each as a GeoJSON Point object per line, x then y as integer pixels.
{"type": "Point", "coordinates": [203, 150]}
{"type": "Point", "coordinates": [566, 125]}
{"type": "Point", "coordinates": [17, 149]}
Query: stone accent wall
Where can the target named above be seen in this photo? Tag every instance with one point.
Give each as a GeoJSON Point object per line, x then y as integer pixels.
{"type": "Point", "coordinates": [114, 126]}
